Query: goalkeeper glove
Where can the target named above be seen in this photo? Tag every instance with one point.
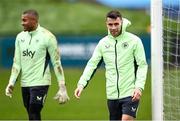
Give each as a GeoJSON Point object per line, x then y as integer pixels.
{"type": "Point", "coordinates": [78, 90]}
{"type": "Point", "coordinates": [9, 90]}
{"type": "Point", "coordinates": [62, 96]}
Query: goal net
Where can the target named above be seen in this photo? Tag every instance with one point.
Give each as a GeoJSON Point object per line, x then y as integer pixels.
{"type": "Point", "coordinates": [171, 59]}
{"type": "Point", "coordinates": [165, 59]}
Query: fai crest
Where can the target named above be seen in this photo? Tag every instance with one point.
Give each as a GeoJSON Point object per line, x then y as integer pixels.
{"type": "Point", "coordinates": [125, 45]}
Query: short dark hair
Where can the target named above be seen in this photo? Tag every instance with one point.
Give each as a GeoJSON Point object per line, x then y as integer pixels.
{"type": "Point", "coordinates": [32, 12]}
{"type": "Point", "coordinates": [114, 14]}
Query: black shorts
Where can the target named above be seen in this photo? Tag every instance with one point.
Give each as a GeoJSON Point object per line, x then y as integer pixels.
{"type": "Point", "coordinates": [122, 106]}
{"type": "Point", "coordinates": [34, 95]}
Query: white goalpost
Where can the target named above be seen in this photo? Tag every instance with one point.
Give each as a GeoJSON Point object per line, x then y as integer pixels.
{"type": "Point", "coordinates": [165, 59]}
{"type": "Point", "coordinates": [157, 60]}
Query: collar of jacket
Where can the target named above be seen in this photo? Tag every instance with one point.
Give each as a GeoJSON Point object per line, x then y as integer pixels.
{"type": "Point", "coordinates": [126, 23]}
{"type": "Point", "coordinates": [35, 31]}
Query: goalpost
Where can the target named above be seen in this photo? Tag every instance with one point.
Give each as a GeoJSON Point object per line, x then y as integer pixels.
{"type": "Point", "coordinates": [156, 60]}
{"type": "Point", "coordinates": [165, 61]}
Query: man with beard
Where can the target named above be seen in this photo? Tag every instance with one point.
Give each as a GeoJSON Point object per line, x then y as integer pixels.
{"type": "Point", "coordinates": [34, 48]}
{"type": "Point", "coordinates": [121, 51]}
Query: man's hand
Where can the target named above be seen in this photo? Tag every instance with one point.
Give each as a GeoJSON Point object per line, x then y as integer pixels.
{"type": "Point", "coordinates": [9, 90]}
{"type": "Point", "coordinates": [78, 90]}
{"type": "Point", "coordinates": [62, 96]}
{"type": "Point", "coordinates": [136, 94]}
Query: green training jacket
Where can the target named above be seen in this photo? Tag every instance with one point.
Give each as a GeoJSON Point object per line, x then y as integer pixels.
{"type": "Point", "coordinates": [33, 51]}
{"type": "Point", "coordinates": [119, 55]}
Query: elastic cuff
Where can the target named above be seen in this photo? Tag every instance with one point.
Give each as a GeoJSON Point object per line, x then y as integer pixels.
{"type": "Point", "coordinates": [140, 89]}
{"type": "Point", "coordinates": [61, 82]}
{"type": "Point", "coordinates": [80, 86]}
{"type": "Point", "coordinates": [12, 82]}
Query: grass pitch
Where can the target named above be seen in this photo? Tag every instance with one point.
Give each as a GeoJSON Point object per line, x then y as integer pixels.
{"type": "Point", "coordinates": [91, 106]}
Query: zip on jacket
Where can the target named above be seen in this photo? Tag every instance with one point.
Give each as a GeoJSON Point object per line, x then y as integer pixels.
{"type": "Point", "coordinates": [117, 68]}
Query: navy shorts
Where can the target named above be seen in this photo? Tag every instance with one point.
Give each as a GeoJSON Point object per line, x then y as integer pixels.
{"type": "Point", "coordinates": [34, 95]}
{"type": "Point", "coordinates": [122, 106]}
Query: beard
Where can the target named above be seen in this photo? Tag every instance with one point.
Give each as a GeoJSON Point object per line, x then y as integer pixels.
{"type": "Point", "coordinates": [115, 33]}
{"type": "Point", "coordinates": [27, 28]}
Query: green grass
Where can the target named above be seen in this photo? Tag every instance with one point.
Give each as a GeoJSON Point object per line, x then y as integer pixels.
{"type": "Point", "coordinates": [92, 104]}
{"type": "Point", "coordinates": [65, 18]}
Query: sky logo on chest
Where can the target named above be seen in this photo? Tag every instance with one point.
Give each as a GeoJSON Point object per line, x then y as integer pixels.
{"type": "Point", "coordinates": [29, 53]}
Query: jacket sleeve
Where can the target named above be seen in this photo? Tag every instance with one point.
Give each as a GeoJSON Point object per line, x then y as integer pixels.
{"type": "Point", "coordinates": [91, 66]}
{"type": "Point", "coordinates": [54, 53]}
{"type": "Point", "coordinates": [142, 65]}
{"type": "Point", "coordinates": [16, 63]}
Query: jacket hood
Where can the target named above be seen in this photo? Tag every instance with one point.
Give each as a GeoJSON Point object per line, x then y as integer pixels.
{"type": "Point", "coordinates": [125, 23]}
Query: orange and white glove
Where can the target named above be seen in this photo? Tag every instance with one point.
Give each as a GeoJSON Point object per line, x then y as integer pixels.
{"type": "Point", "coordinates": [62, 96]}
